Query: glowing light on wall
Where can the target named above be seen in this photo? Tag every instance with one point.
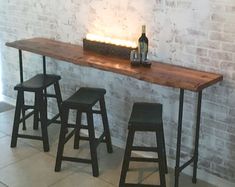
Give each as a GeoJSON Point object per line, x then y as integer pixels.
{"type": "Point", "coordinates": [104, 39]}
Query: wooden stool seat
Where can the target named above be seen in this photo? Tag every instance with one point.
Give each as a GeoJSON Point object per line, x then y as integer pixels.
{"type": "Point", "coordinates": [84, 98]}
{"type": "Point", "coordinates": [145, 117]}
{"type": "Point", "coordinates": [38, 82]}
{"type": "Point", "coordinates": [82, 101]}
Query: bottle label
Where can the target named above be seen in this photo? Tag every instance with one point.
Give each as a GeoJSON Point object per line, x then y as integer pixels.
{"type": "Point", "coordinates": [143, 50]}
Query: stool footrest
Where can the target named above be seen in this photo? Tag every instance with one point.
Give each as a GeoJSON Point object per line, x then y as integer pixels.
{"type": "Point", "coordinates": [185, 165]}
{"type": "Point", "coordinates": [26, 116]}
{"type": "Point", "coordinates": [50, 95]}
{"type": "Point", "coordinates": [72, 159]}
{"type": "Point", "coordinates": [96, 112]}
{"type": "Point", "coordinates": [140, 185]}
{"type": "Point", "coordinates": [70, 125]}
{"type": "Point", "coordinates": [84, 138]}
{"type": "Point", "coordinates": [26, 107]}
{"type": "Point", "coordinates": [29, 136]}
{"type": "Point", "coordinates": [83, 126]}
{"type": "Point", "coordinates": [100, 139]}
{"type": "Point", "coordinates": [57, 121]}
{"type": "Point", "coordinates": [52, 120]}
{"type": "Point", "coordinates": [143, 159]}
{"type": "Point", "coordinates": [87, 139]}
{"type": "Point", "coordinates": [70, 135]}
{"type": "Point", "coordinates": [147, 149]}
{"type": "Point", "coordinates": [97, 140]}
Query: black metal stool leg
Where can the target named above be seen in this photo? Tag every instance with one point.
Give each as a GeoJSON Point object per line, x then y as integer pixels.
{"type": "Point", "coordinates": [45, 104]}
{"type": "Point", "coordinates": [127, 155]}
{"type": "Point", "coordinates": [43, 119]}
{"type": "Point", "coordinates": [36, 114]}
{"type": "Point", "coordinates": [161, 134]}
{"type": "Point", "coordinates": [93, 144]}
{"type": "Point", "coordinates": [58, 96]}
{"type": "Point", "coordinates": [161, 158]}
{"type": "Point", "coordinates": [59, 100]}
{"type": "Point", "coordinates": [60, 149]}
{"type": "Point", "coordinates": [77, 130]}
{"type": "Point", "coordinates": [23, 114]}
{"type": "Point", "coordinates": [19, 105]}
{"type": "Point", "coordinates": [106, 126]}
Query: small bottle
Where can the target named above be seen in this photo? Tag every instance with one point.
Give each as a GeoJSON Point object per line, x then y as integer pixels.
{"type": "Point", "coordinates": [143, 45]}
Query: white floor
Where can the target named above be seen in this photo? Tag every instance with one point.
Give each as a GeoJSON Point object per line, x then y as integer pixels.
{"type": "Point", "coordinates": [27, 165]}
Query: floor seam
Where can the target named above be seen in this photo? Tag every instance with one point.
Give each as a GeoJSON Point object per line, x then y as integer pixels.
{"type": "Point", "coordinates": [61, 179]}
{"type": "Point", "coordinates": [3, 184]}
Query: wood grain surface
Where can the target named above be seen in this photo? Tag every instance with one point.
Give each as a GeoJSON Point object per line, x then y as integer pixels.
{"type": "Point", "coordinates": [159, 73]}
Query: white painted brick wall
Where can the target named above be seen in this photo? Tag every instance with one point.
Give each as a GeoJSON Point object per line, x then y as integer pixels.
{"type": "Point", "coordinates": [198, 34]}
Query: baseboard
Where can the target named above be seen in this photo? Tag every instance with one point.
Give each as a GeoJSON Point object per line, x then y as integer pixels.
{"type": "Point", "coordinates": [8, 100]}
{"type": "Point", "coordinates": [202, 175]}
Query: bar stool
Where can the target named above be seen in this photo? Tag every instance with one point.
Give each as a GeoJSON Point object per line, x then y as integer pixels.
{"type": "Point", "coordinates": [83, 101]}
{"type": "Point", "coordinates": [145, 117]}
{"type": "Point", "coordinates": [37, 85]}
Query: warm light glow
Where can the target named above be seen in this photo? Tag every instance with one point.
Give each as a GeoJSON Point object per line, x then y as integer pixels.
{"type": "Point", "coordinates": [109, 40]}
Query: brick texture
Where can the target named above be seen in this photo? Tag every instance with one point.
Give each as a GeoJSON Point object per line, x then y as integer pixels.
{"type": "Point", "coordinates": [192, 33]}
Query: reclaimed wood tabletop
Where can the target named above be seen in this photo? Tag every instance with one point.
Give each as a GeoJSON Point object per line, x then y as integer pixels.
{"type": "Point", "coordinates": [159, 73]}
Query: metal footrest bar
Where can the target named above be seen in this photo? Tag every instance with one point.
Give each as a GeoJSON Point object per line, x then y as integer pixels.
{"type": "Point", "coordinates": [72, 159]}
{"type": "Point", "coordinates": [147, 149]}
{"type": "Point", "coordinates": [57, 121]}
{"type": "Point", "coordinates": [29, 137]}
{"type": "Point", "coordinates": [27, 107]}
{"type": "Point", "coordinates": [185, 165]}
{"type": "Point", "coordinates": [70, 125]}
{"type": "Point", "coordinates": [50, 95]}
{"type": "Point", "coordinates": [70, 135]}
{"type": "Point", "coordinates": [84, 138]}
{"type": "Point", "coordinates": [143, 159]}
{"type": "Point", "coordinates": [100, 139]}
{"type": "Point", "coordinates": [83, 126]}
{"type": "Point", "coordinates": [96, 111]}
{"type": "Point", "coordinates": [52, 120]}
{"type": "Point", "coordinates": [26, 116]}
{"type": "Point", "coordinates": [140, 185]}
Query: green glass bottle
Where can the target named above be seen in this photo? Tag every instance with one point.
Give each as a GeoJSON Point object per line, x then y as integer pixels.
{"type": "Point", "coordinates": [143, 45]}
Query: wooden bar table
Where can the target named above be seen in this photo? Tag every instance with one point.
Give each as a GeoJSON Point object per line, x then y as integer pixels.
{"type": "Point", "coordinates": [159, 73]}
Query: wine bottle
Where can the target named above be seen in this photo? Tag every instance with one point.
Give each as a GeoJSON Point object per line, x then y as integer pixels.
{"type": "Point", "coordinates": [143, 45]}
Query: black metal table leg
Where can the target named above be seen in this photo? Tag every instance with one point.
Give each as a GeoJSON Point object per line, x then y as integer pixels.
{"type": "Point", "coordinates": [44, 65]}
{"type": "Point", "coordinates": [177, 164]}
{"type": "Point", "coordinates": [45, 90]}
{"type": "Point", "coordinates": [21, 81]}
{"type": "Point", "coordinates": [194, 159]}
{"type": "Point", "coordinates": [21, 66]}
{"type": "Point", "coordinates": [195, 155]}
